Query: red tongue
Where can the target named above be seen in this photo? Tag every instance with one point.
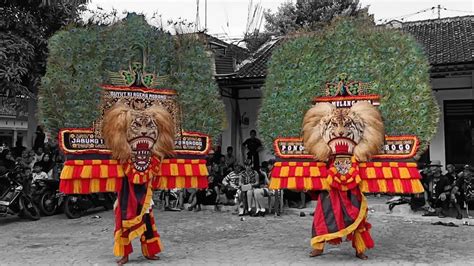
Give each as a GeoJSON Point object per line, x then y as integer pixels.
{"type": "Point", "coordinates": [142, 146]}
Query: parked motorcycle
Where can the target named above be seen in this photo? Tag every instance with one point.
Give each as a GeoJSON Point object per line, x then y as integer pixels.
{"type": "Point", "coordinates": [13, 198]}
{"type": "Point", "coordinates": [45, 193]}
{"type": "Point", "coordinates": [76, 205]}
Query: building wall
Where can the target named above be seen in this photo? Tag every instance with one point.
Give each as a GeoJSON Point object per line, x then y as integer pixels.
{"type": "Point", "coordinates": [11, 129]}
{"type": "Point", "coordinates": [437, 146]}
{"type": "Point", "coordinates": [237, 132]}
{"type": "Point", "coordinates": [249, 108]}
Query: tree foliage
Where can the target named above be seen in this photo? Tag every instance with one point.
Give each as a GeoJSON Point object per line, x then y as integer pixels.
{"type": "Point", "coordinates": [302, 16]}
{"type": "Point", "coordinates": [25, 26]}
{"type": "Point", "coordinates": [81, 57]}
{"type": "Point", "coordinates": [392, 61]}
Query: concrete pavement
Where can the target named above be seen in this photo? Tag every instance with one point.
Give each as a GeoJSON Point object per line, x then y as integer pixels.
{"type": "Point", "coordinates": [220, 238]}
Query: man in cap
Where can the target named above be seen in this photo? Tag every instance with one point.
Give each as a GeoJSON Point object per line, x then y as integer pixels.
{"type": "Point", "coordinates": [441, 189]}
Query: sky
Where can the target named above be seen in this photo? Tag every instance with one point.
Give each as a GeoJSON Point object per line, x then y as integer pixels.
{"type": "Point", "coordinates": [227, 19]}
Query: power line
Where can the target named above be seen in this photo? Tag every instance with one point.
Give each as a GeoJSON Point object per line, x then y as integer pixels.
{"type": "Point", "coordinates": [463, 11]}
{"type": "Point", "coordinates": [439, 8]}
{"type": "Point", "coordinates": [402, 17]}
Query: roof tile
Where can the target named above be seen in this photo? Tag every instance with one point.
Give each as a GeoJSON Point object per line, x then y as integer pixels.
{"type": "Point", "coordinates": [446, 41]}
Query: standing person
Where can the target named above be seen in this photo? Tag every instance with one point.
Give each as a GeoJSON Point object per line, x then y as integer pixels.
{"type": "Point", "coordinates": [254, 146]}
{"type": "Point", "coordinates": [40, 137]}
{"type": "Point", "coordinates": [123, 129]}
{"type": "Point", "coordinates": [341, 211]}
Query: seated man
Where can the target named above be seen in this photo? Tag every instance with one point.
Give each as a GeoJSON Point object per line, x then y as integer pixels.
{"type": "Point", "coordinates": [215, 184]}
{"type": "Point", "coordinates": [441, 192]}
{"type": "Point", "coordinates": [231, 185]}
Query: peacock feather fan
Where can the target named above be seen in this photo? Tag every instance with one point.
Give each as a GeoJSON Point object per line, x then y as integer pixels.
{"type": "Point", "coordinates": [81, 59]}
{"type": "Point", "coordinates": [392, 61]}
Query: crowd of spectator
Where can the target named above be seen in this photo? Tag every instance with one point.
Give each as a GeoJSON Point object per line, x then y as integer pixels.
{"type": "Point", "coordinates": [44, 161]}
{"type": "Point", "coordinates": [244, 186]}
{"type": "Point", "coordinates": [452, 189]}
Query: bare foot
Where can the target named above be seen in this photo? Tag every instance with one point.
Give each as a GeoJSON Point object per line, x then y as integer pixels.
{"type": "Point", "coordinates": [361, 256]}
{"type": "Point", "coordinates": [152, 257]}
{"type": "Point", "coordinates": [123, 260]}
{"type": "Point", "coordinates": [316, 252]}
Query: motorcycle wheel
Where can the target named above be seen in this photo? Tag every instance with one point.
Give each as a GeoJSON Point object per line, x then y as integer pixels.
{"type": "Point", "coordinates": [48, 203]}
{"type": "Point", "coordinates": [72, 208]}
{"type": "Point", "coordinates": [29, 209]}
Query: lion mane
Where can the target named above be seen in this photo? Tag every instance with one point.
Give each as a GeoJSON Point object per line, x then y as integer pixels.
{"type": "Point", "coordinates": [362, 116]}
{"type": "Point", "coordinates": [117, 122]}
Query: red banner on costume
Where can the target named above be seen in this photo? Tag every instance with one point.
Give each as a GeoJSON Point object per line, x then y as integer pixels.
{"type": "Point", "coordinates": [376, 177]}
{"type": "Point", "coordinates": [92, 176]}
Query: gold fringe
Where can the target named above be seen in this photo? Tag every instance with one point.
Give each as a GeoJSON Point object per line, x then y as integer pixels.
{"type": "Point", "coordinates": [345, 231]}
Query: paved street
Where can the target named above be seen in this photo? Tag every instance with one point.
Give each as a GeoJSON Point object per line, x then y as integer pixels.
{"type": "Point", "coordinates": [214, 238]}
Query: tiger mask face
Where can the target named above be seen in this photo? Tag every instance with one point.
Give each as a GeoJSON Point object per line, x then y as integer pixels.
{"type": "Point", "coordinates": [137, 135]}
{"type": "Point", "coordinates": [357, 131]}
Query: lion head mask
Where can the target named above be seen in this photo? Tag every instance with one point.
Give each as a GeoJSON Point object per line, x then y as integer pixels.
{"type": "Point", "coordinates": [137, 135]}
{"type": "Point", "coordinates": [357, 131]}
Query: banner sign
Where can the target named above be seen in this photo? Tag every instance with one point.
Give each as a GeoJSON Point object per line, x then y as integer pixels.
{"type": "Point", "coordinates": [84, 141]}
{"type": "Point", "coordinates": [348, 101]}
{"type": "Point", "coordinates": [395, 147]}
{"type": "Point", "coordinates": [192, 143]}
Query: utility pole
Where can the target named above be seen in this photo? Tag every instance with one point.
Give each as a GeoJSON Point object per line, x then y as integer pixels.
{"type": "Point", "coordinates": [205, 15]}
{"type": "Point", "coordinates": [439, 11]}
{"type": "Point", "coordinates": [197, 16]}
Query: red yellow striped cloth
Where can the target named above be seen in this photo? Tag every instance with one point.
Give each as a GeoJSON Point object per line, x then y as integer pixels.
{"type": "Point", "coordinates": [383, 177]}
{"type": "Point", "coordinates": [91, 176]}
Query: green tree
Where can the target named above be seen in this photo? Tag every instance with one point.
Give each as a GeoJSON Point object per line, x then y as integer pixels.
{"type": "Point", "coordinates": [25, 26]}
{"type": "Point", "coordinates": [304, 15]}
{"type": "Point", "coordinates": [309, 14]}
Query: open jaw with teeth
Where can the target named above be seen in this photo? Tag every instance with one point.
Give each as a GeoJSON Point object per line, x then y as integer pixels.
{"type": "Point", "coordinates": [141, 152]}
{"type": "Point", "coordinates": [342, 145]}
